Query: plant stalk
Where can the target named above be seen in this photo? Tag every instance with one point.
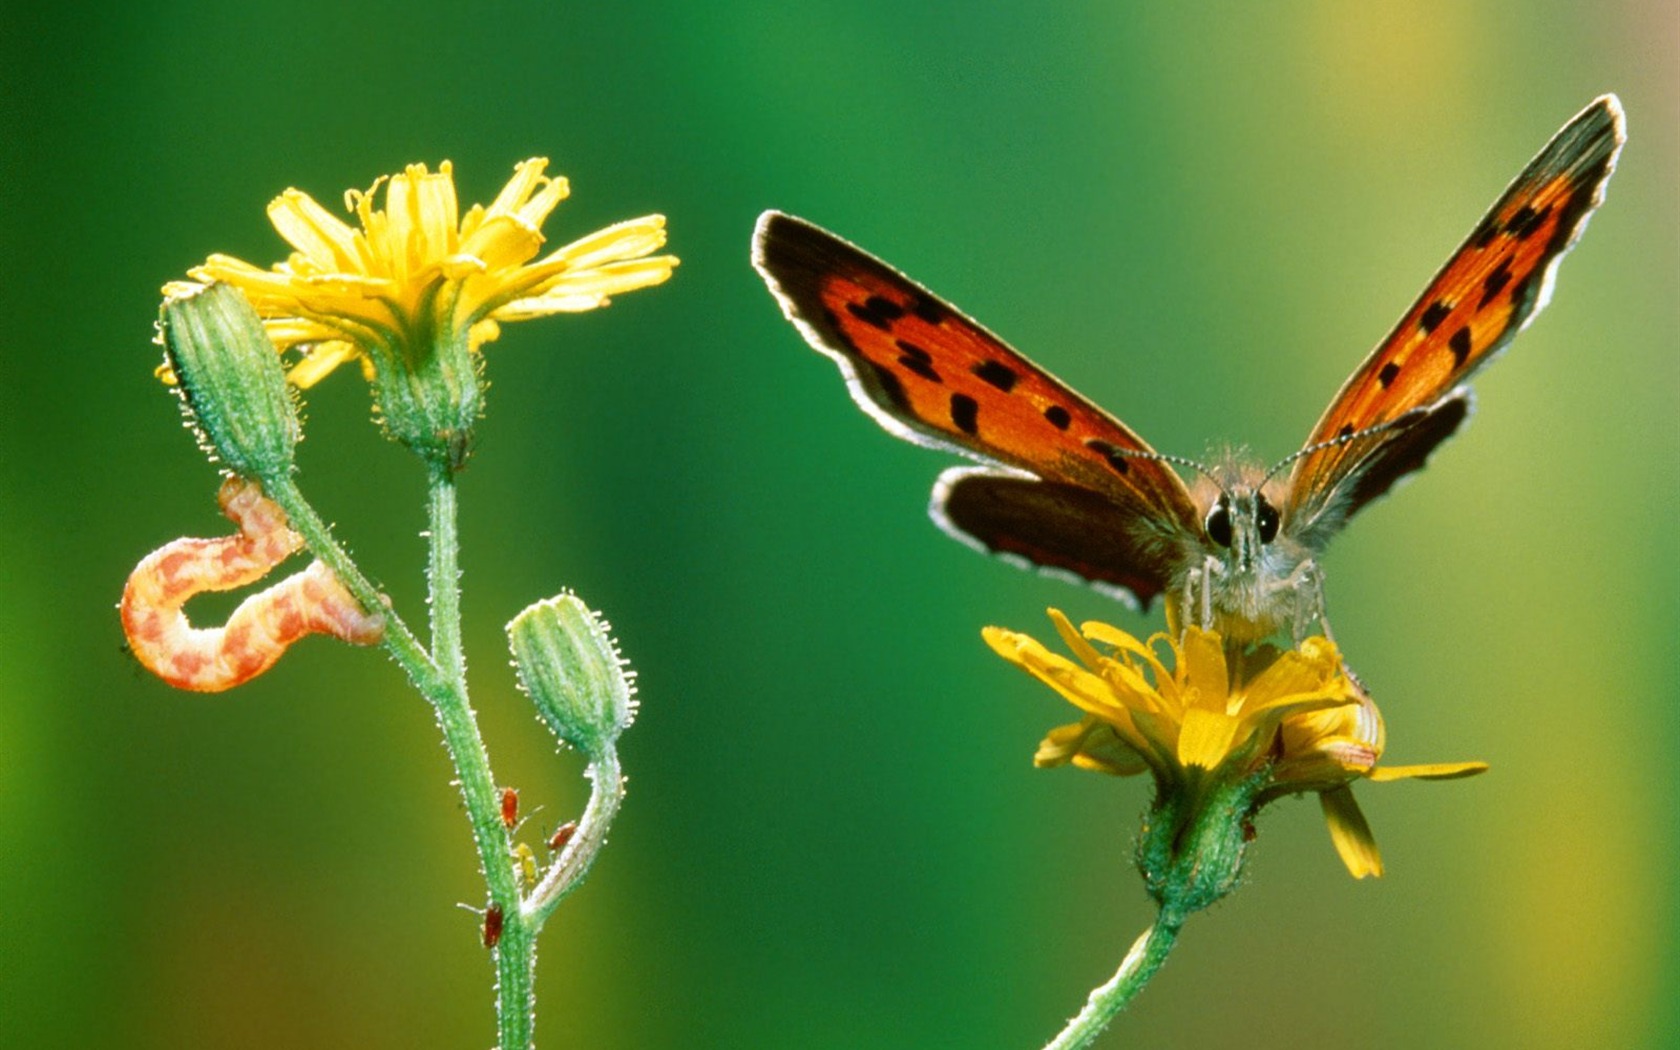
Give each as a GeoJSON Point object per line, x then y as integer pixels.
{"type": "Point", "coordinates": [1148, 952]}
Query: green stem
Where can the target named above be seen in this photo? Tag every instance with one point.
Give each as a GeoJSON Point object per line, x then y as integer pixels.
{"type": "Point", "coordinates": [569, 868]}
{"type": "Point", "coordinates": [444, 575]}
{"type": "Point", "coordinates": [440, 679]}
{"type": "Point", "coordinates": [400, 642]}
{"type": "Point", "coordinates": [515, 953]}
{"type": "Point", "coordinates": [1147, 954]}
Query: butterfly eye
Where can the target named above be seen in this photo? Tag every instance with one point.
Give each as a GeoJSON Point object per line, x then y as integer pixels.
{"type": "Point", "coordinates": [1266, 519]}
{"type": "Point", "coordinates": [1218, 523]}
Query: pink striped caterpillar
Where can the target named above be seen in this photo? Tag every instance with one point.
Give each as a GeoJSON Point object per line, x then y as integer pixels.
{"type": "Point", "coordinates": [212, 659]}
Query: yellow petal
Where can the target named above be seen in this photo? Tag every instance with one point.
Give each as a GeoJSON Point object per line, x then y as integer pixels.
{"type": "Point", "coordinates": [1132, 650]}
{"type": "Point", "coordinates": [1349, 832]}
{"type": "Point", "coordinates": [527, 177]}
{"type": "Point", "coordinates": [1076, 685]}
{"type": "Point", "coordinates": [503, 241]}
{"type": "Point", "coordinates": [629, 239]}
{"type": "Point", "coordinates": [1093, 745]}
{"type": "Point", "coordinates": [1433, 771]}
{"type": "Point", "coordinates": [313, 230]}
{"type": "Point", "coordinates": [1205, 738]}
{"type": "Point", "coordinates": [1201, 666]}
{"type": "Point", "coordinates": [1293, 672]}
{"type": "Point", "coordinates": [323, 358]}
{"type": "Point", "coordinates": [1073, 640]}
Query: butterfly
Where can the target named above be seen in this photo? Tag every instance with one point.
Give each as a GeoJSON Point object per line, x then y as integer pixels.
{"type": "Point", "coordinates": [1068, 488]}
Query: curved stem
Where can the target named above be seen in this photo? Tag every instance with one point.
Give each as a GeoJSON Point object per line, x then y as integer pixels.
{"type": "Point", "coordinates": [573, 863]}
{"type": "Point", "coordinates": [1148, 952]}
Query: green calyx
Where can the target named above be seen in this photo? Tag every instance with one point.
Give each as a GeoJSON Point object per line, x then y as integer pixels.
{"type": "Point", "coordinates": [570, 667]}
{"type": "Point", "coordinates": [428, 390]}
{"type": "Point", "coordinates": [232, 383]}
{"type": "Point", "coordinates": [1194, 840]}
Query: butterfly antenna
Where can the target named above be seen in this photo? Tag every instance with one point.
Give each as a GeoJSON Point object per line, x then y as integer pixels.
{"type": "Point", "coordinates": [1405, 419]}
{"type": "Point", "coordinates": [1182, 461]}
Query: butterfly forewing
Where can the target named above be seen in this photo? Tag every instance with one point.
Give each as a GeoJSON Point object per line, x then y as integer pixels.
{"type": "Point", "coordinates": [1487, 292]}
{"type": "Point", "coordinates": [928, 373]}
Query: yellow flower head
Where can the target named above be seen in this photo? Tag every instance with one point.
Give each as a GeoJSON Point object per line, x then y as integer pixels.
{"type": "Point", "coordinates": [1295, 720]}
{"type": "Point", "coordinates": [417, 272]}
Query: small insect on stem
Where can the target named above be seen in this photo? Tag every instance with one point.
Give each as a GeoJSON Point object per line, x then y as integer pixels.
{"type": "Point", "coordinates": [212, 659]}
{"type": "Point", "coordinates": [525, 863]}
{"type": "Point", "coordinates": [492, 925]}
{"type": "Point", "coordinates": [510, 807]}
{"type": "Point", "coordinates": [562, 835]}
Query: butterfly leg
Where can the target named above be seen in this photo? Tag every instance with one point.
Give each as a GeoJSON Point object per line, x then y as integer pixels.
{"type": "Point", "coordinates": [1307, 585]}
{"type": "Point", "coordinates": [1197, 600]}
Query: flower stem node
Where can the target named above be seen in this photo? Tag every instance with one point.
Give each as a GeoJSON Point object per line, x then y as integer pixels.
{"type": "Point", "coordinates": [231, 381]}
{"type": "Point", "coordinates": [571, 669]}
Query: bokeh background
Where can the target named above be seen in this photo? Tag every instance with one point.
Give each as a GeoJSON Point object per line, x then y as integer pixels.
{"type": "Point", "coordinates": [1200, 215]}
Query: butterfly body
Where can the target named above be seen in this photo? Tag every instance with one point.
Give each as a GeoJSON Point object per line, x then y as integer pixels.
{"type": "Point", "coordinates": [1068, 488]}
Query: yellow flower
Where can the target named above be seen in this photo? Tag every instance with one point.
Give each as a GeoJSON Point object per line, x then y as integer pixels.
{"type": "Point", "coordinates": [417, 273]}
{"type": "Point", "coordinates": [1288, 720]}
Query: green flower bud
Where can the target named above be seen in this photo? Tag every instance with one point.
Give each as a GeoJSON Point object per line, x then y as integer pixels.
{"type": "Point", "coordinates": [231, 380]}
{"type": "Point", "coordinates": [571, 669]}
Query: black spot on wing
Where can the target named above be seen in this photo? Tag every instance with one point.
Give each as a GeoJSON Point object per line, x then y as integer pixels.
{"type": "Point", "coordinates": [920, 367]}
{"type": "Point", "coordinates": [1436, 312]}
{"type": "Point", "coordinates": [1461, 345]}
{"type": "Point", "coordinates": [1115, 458]}
{"type": "Point", "coordinates": [928, 310]}
{"type": "Point", "coordinates": [965, 413]}
{"type": "Point", "coordinates": [1496, 281]}
{"type": "Point", "coordinates": [1525, 221]}
{"type": "Point", "coordinates": [876, 311]}
{"type": "Point", "coordinates": [997, 373]}
{"type": "Point", "coordinates": [911, 350]}
{"type": "Point", "coordinates": [1386, 376]}
{"type": "Point", "coordinates": [917, 360]}
{"type": "Point", "coordinates": [1058, 416]}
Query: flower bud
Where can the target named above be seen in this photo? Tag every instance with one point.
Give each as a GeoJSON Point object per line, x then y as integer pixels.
{"type": "Point", "coordinates": [231, 379]}
{"type": "Point", "coordinates": [571, 669]}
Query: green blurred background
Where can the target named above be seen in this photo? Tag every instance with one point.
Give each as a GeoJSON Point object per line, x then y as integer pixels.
{"type": "Point", "coordinates": [834, 835]}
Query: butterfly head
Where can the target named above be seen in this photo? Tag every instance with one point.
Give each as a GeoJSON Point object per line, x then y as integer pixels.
{"type": "Point", "coordinates": [1240, 520]}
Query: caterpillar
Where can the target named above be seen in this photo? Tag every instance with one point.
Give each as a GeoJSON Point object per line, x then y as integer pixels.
{"type": "Point", "coordinates": [211, 659]}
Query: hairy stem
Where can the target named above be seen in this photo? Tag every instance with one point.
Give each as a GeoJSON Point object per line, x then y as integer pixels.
{"type": "Point", "coordinates": [1148, 952]}
{"type": "Point", "coordinates": [440, 678]}
{"type": "Point", "coordinates": [569, 868]}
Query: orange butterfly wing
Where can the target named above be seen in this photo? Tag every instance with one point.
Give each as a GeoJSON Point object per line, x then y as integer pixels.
{"type": "Point", "coordinates": [929, 374]}
{"type": "Point", "coordinates": [1487, 292]}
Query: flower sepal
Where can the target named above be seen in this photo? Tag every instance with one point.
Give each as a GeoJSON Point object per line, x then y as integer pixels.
{"type": "Point", "coordinates": [428, 393]}
{"type": "Point", "coordinates": [1193, 843]}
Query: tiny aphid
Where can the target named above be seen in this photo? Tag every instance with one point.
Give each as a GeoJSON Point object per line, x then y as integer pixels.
{"type": "Point", "coordinates": [562, 835]}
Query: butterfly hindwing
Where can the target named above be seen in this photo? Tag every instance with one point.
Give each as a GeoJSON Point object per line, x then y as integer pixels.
{"type": "Point", "coordinates": [1487, 292]}
{"type": "Point", "coordinates": [929, 374]}
{"type": "Point", "coordinates": [1058, 527]}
